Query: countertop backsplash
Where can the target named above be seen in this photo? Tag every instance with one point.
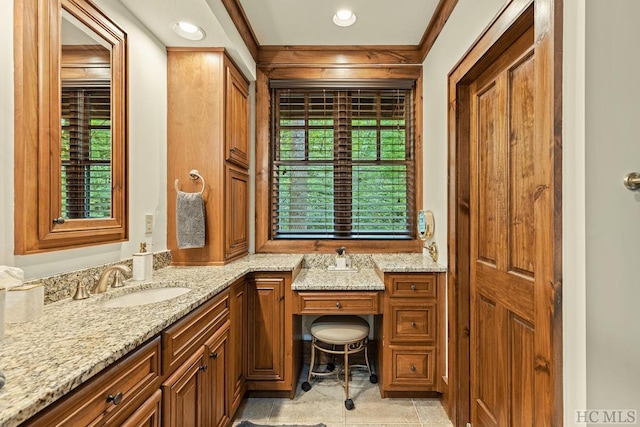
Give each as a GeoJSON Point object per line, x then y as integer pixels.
{"type": "Point", "coordinates": [63, 285]}
{"type": "Point", "coordinates": [325, 260]}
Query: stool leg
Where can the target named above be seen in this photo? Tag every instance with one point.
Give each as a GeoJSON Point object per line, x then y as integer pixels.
{"type": "Point", "coordinates": [373, 378]}
{"type": "Point", "coordinates": [306, 386]}
{"type": "Point", "coordinates": [348, 403]}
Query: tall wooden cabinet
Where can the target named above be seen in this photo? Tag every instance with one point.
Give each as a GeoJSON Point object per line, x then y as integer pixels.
{"type": "Point", "coordinates": [208, 130]}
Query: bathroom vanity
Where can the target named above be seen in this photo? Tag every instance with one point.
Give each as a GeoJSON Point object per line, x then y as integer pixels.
{"type": "Point", "coordinates": [237, 330]}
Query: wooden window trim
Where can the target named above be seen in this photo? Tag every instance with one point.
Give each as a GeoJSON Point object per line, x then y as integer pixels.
{"type": "Point", "coordinates": [263, 201]}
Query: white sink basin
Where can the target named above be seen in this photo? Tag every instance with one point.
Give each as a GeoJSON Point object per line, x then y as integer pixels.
{"type": "Point", "coordinates": [144, 296]}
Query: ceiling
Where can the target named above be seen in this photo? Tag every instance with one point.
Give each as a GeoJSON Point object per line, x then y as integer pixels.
{"type": "Point", "coordinates": [290, 22]}
{"type": "Point", "coordinates": [286, 22]}
{"type": "Point", "coordinates": [309, 22]}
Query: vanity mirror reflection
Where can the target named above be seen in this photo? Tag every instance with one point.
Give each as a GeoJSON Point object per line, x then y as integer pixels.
{"type": "Point", "coordinates": [70, 133]}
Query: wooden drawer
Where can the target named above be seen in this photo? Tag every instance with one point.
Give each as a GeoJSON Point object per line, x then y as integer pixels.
{"type": "Point", "coordinates": [412, 321]}
{"type": "Point", "coordinates": [129, 382]}
{"type": "Point", "coordinates": [413, 366]}
{"type": "Point", "coordinates": [180, 340]}
{"type": "Point", "coordinates": [328, 302]}
{"type": "Point", "coordinates": [413, 285]}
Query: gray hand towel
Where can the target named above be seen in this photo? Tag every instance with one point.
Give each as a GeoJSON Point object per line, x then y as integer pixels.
{"type": "Point", "coordinates": [190, 224]}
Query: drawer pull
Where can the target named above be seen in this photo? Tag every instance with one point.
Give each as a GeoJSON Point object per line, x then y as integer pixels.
{"type": "Point", "coordinates": [203, 368]}
{"type": "Point", "coordinates": [115, 399]}
{"type": "Point", "coordinates": [213, 355]}
{"type": "Point", "coordinates": [413, 287]}
{"type": "Point", "coordinates": [413, 368]}
{"type": "Point", "coordinates": [413, 325]}
{"type": "Point", "coordinates": [338, 304]}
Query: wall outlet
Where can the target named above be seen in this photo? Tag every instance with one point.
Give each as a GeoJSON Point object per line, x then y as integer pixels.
{"type": "Point", "coordinates": [148, 224]}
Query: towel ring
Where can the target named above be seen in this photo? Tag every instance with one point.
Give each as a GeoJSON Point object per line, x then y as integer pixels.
{"type": "Point", "coordinates": [194, 175]}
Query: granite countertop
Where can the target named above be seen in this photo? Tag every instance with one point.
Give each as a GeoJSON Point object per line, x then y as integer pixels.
{"type": "Point", "coordinates": [406, 263]}
{"type": "Point", "coordinates": [46, 358]}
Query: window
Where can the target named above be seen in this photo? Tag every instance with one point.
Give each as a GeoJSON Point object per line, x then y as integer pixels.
{"type": "Point", "coordinates": [86, 153]}
{"type": "Point", "coordinates": [342, 162]}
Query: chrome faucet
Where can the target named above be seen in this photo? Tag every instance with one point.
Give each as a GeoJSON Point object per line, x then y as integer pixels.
{"type": "Point", "coordinates": [101, 285]}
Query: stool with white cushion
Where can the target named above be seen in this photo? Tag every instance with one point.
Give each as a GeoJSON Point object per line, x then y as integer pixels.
{"type": "Point", "coordinates": [345, 335]}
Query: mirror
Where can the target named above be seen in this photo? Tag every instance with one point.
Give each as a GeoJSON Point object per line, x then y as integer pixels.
{"type": "Point", "coordinates": [70, 96]}
{"type": "Point", "coordinates": [426, 225]}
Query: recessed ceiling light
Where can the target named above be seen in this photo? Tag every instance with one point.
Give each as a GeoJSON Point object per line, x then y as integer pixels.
{"type": "Point", "coordinates": [344, 18]}
{"type": "Point", "coordinates": [188, 31]}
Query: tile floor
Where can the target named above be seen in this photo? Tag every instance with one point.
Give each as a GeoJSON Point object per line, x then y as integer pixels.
{"type": "Point", "coordinates": [324, 403]}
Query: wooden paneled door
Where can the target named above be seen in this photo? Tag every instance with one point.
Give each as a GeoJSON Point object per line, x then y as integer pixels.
{"type": "Point", "coordinates": [502, 239]}
{"type": "Point", "coordinates": [507, 275]}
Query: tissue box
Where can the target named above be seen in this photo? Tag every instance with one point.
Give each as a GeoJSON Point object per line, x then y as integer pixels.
{"type": "Point", "coordinates": [24, 303]}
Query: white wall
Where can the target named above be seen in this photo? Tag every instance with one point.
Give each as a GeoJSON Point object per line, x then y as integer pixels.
{"type": "Point", "coordinates": [573, 209]}
{"type": "Point", "coordinates": [147, 150]}
{"type": "Point", "coordinates": [466, 23]}
{"type": "Point", "coordinates": [613, 212]}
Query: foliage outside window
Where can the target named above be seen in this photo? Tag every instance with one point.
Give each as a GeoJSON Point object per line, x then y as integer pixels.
{"type": "Point", "coordinates": [342, 163]}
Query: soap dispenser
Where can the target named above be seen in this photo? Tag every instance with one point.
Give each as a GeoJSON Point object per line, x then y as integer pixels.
{"type": "Point", "coordinates": [142, 263]}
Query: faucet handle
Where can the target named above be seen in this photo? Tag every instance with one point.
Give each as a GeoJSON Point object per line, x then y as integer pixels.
{"type": "Point", "coordinates": [81, 290]}
{"type": "Point", "coordinates": [117, 280]}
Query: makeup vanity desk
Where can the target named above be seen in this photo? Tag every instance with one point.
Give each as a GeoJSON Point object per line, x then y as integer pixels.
{"type": "Point", "coordinates": [405, 294]}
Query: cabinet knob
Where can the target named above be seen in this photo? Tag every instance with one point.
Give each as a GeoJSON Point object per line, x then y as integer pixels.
{"type": "Point", "coordinates": [413, 325]}
{"type": "Point", "coordinates": [115, 399]}
{"type": "Point", "coordinates": [413, 368]}
{"type": "Point", "coordinates": [232, 246]}
{"type": "Point", "coordinates": [59, 220]}
{"type": "Point", "coordinates": [203, 368]}
{"type": "Point", "coordinates": [213, 355]}
{"type": "Point", "coordinates": [413, 287]}
{"type": "Point", "coordinates": [338, 304]}
{"type": "Point", "coordinates": [232, 150]}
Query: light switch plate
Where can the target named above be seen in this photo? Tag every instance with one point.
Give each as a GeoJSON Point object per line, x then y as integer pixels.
{"type": "Point", "coordinates": [148, 224]}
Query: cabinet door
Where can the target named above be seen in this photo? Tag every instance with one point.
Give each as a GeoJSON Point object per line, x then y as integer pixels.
{"type": "Point", "coordinates": [237, 343]}
{"type": "Point", "coordinates": [265, 329]}
{"type": "Point", "coordinates": [148, 414]}
{"type": "Point", "coordinates": [184, 393]}
{"type": "Point", "coordinates": [237, 216]}
{"type": "Point", "coordinates": [216, 408]}
{"type": "Point", "coordinates": [237, 118]}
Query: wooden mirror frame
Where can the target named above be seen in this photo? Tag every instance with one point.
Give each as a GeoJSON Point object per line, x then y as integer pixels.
{"type": "Point", "coordinates": [37, 59]}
